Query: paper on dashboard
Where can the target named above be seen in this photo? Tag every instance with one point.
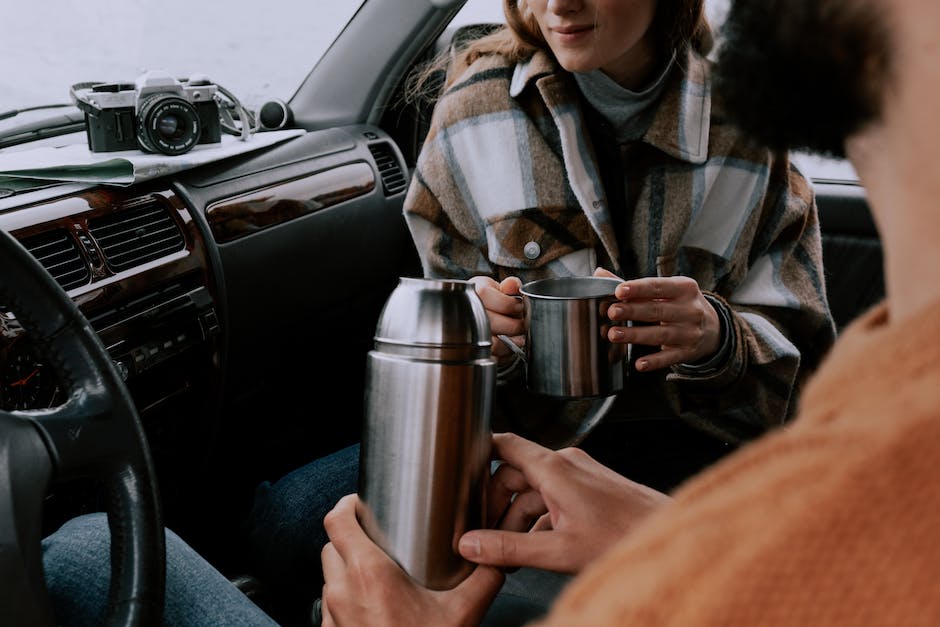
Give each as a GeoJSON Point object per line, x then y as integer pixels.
{"type": "Point", "coordinates": [77, 163]}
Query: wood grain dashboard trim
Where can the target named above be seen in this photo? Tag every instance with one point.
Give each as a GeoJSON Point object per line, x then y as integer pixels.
{"type": "Point", "coordinates": [242, 215]}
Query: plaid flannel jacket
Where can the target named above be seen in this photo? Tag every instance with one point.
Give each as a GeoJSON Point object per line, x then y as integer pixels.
{"type": "Point", "coordinates": [507, 183]}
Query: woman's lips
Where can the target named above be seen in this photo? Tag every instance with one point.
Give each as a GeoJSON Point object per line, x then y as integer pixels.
{"type": "Point", "coordinates": [571, 34]}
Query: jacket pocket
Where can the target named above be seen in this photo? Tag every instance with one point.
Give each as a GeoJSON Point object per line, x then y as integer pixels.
{"type": "Point", "coordinates": [530, 240]}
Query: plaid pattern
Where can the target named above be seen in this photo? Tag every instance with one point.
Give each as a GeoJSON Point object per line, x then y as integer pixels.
{"type": "Point", "coordinates": [509, 161]}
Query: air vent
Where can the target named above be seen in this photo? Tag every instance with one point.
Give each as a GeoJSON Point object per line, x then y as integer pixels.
{"type": "Point", "coordinates": [142, 232]}
{"type": "Point", "coordinates": [58, 254]}
{"type": "Point", "coordinates": [393, 181]}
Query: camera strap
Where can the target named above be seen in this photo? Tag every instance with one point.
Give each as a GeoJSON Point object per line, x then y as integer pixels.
{"type": "Point", "coordinates": [81, 104]}
{"type": "Point", "coordinates": [247, 123]}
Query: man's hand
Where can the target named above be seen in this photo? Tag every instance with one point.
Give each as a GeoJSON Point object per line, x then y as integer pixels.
{"type": "Point", "coordinates": [561, 509]}
{"type": "Point", "coordinates": [365, 587]}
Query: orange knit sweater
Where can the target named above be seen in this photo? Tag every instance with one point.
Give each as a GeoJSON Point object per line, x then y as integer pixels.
{"type": "Point", "coordinates": [833, 520]}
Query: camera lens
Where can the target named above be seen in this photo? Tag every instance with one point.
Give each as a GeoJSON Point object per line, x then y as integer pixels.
{"type": "Point", "coordinates": [167, 124]}
{"type": "Point", "coordinates": [170, 126]}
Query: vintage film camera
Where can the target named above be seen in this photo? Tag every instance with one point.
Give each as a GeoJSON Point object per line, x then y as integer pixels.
{"type": "Point", "coordinates": [157, 113]}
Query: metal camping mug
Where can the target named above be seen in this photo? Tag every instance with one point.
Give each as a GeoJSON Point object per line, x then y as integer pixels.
{"type": "Point", "coordinates": [567, 353]}
{"type": "Point", "coordinates": [424, 461]}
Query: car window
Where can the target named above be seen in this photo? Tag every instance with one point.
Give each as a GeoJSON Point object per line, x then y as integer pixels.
{"type": "Point", "coordinates": [257, 51]}
{"type": "Point", "coordinates": [479, 12]}
{"type": "Point", "coordinates": [716, 10]}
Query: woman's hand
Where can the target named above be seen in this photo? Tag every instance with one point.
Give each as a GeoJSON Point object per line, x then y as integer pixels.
{"type": "Point", "coordinates": [504, 310]}
{"type": "Point", "coordinates": [560, 509]}
{"type": "Point", "coordinates": [682, 322]}
{"type": "Point", "coordinates": [364, 586]}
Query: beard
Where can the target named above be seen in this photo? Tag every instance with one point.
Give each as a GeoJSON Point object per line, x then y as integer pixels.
{"type": "Point", "coordinates": [803, 74]}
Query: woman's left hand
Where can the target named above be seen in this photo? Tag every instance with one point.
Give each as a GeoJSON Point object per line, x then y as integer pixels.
{"type": "Point", "coordinates": [364, 586]}
{"type": "Point", "coordinates": [683, 323]}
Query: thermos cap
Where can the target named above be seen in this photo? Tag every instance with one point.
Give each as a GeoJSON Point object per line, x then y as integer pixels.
{"type": "Point", "coordinates": [434, 313]}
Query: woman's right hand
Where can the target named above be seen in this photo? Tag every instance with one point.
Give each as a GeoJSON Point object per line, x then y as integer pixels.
{"type": "Point", "coordinates": [504, 310]}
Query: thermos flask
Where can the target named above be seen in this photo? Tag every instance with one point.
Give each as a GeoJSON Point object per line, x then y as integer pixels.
{"type": "Point", "coordinates": [424, 460]}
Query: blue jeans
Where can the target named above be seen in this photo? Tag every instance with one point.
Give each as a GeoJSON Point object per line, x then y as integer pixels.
{"type": "Point", "coordinates": [285, 530]}
{"type": "Point", "coordinates": [78, 571]}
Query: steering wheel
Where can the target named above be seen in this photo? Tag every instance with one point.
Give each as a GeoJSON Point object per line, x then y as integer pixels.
{"type": "Point", "coordinates": [96, 433]}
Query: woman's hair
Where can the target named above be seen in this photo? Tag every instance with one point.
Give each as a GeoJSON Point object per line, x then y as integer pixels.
{"type": "Point", "coordinates": [677, 25]}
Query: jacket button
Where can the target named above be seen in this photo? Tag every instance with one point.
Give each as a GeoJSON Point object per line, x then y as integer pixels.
{"type": "Point", "coordinates": [532, 250]}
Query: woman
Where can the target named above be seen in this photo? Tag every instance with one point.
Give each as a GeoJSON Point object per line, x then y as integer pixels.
{"type": "Point", "coordinates": [584, 136]}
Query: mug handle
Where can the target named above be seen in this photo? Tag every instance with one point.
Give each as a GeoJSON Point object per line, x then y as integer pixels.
{"type": "Point", "coordinates": [512, 345]}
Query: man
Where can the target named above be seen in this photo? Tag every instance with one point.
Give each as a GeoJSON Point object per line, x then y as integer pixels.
{"type": "Point", "coordinates": [831, 521]}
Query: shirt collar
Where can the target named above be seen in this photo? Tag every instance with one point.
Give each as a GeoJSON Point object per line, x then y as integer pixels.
{"type": "Point", "coordinates": [538, 65]}
{"type": "Point", "coordinates": [681, 120]}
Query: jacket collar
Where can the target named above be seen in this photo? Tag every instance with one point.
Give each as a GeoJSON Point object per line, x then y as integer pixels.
{"type": "Point", "coordinates": [680, 124]}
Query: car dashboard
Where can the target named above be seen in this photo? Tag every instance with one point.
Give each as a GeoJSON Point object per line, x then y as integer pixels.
{"type": "Point", "coordinates": [238, 301]}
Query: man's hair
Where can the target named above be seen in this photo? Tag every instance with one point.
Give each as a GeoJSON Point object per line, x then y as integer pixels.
{"type": "Point", "coordinates": [803, 74]}
{"type": "Point", "coordinates": [677, 25]}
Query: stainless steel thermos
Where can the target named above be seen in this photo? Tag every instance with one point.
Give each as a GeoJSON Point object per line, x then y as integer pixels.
{"type": "Point", "coordinates": [424, 461]}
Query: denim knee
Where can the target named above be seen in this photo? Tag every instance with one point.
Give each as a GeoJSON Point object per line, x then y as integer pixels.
{"type": "Point", "coordinates": [77, 564]}
{"type": "Point", "coordinates": [285, 527]}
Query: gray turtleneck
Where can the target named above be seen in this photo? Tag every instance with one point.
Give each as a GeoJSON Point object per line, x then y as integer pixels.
{"type": "Point", "coordinates": [628, 112]}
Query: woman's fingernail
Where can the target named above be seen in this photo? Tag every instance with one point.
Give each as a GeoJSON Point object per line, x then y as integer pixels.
{"type": "Point", "coordinates": [642, 364]}
{"type": "Point", "coordinates": [618, 333]}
